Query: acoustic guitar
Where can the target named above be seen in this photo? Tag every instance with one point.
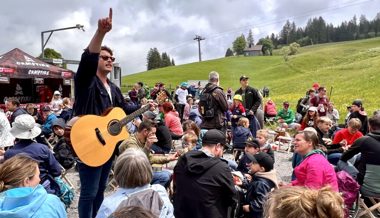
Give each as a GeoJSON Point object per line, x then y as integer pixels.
{"type": "Point", "coordinates": [94, 138]}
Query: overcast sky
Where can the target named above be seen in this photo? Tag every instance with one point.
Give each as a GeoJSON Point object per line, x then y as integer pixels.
{"type": "Point", "coordinates": [169, 25]}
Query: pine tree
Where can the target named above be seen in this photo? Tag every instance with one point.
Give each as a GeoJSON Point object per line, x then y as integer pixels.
{"type": "Point", "coordinates": [250, 40]}
{"type": "Point", "coordinates": [153, 59]}
{"type": "Point", "coordinates": [173, 64]}
{"type": "Point", "coordinates": [229, 53]}
{"type": "Point", "coordinates": [165, 60]}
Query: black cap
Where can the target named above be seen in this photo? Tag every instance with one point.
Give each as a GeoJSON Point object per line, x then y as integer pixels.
{"type": "Point", "coordinates": [263, 159]}
{"type": "Point", "coordinates": [358, 103]}
{"type": "Point", "coordinates": [252, 142]}
{"type": "Point", "coordinates": [214, 136]}
{"type": "Point", "coordinates": [244, 77]}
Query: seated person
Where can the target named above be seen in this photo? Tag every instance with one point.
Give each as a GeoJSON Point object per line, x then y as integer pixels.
{"type": "Point", "coordinates": [172, 120]}
{"type": "Point", "coordinates": [302, 202]}
{"type": "Point", "coordinates": [143, 139]}
{"type": "Point", "coordinates": [251, 147]}
{"type": "Point", "coordinates": [240, 135]}
{"type": "Point", "coordinates": [270, 110]}
{"type": "Point", "coordinates": [24, 129]}
{"type": "Point", "coordinates": [189, 141]}
{"type": "Point", "coordinates": [22, 195]}
{"type": "Point", "coordinates": [62, 151]}
{"type": "Point", "coordinates": [314, 171]}
{"type": "Point", "coordinates": [287, 116]}
{"type": "Point", "coordinates": [237, 110]}
{"type": "Point", "coordinates": [347, 136]}
{"type": "Point", "coordinates": [262, 136]}
{"type": "Point", "coordinates": [132, 212]}
{"type": "Point", "coordinates": [263, 181]}
{"type": "Point", "coordinates": [133, 173]}
{"type": "Point", "coordinates": [164, 137]}
{"type": "Point", "coordinates": [310, 119]}
{"type": "Point", "coordinates": [49, 117]}
{"type": "Point", "coordinates": [333, 151]}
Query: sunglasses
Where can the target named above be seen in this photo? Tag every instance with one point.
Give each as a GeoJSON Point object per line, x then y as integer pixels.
{"type": "Point", "coordinates": [105, 58]}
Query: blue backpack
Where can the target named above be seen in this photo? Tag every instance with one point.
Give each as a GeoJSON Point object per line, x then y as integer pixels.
{"type": "Point", "coordinates": [66, 192]}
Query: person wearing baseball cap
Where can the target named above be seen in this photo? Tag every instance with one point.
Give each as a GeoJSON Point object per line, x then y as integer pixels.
{"type": "Point", "coordinates": [252, 100]}
{"type": "Point", "coordinates": [203, 181]}
{"type": "Point", "coordinates": [251, 147]}
{"type": "Point", "coordinates": [357, 111]}
{"type": "Point", "coordinates": [264, 179]}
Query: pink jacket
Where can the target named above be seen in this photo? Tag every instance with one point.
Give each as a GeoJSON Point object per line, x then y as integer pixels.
{"type": "Point", "coordinates": [315, 172]}
{"type": "Point", "coordinates": [270, 108]}
{"type": "Point", "coordinates": [173, 122]}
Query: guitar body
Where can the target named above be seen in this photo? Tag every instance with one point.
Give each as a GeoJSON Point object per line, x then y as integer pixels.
{"type": "Point", "coordinates": [94, 138]}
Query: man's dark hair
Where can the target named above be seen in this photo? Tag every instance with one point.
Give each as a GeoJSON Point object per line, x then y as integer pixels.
{"type": "Point", "coordinates": [132, 212]}
{"type": "Point", "coordinates": [141, 84]}
{"type": "Point", "coordinates": [14, 101]}
{"type": "Point", "coordinates": [374, 122]}
{"type": "Point", "coordinates": [146, 124]}
{"type": "Point", "coordinates": [321, 88]}
{"type": "Point", "coordinates": [106, 48]}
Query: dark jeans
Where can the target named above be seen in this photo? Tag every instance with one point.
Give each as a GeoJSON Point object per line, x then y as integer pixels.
{"type": "Point", "coordinates": [180, 108]}
{"type": "Point", "coordinates": [161, 177]}
{"type": "Point", "coordinates": [334, 158]}
{"type": "Point", "coordinates": [93, 181]}
{"type": "Point", "coordinates": [160, 150]}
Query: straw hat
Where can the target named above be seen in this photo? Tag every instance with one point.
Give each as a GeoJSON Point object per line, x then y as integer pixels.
{"type": "Point", "coordinates": [24, 127]}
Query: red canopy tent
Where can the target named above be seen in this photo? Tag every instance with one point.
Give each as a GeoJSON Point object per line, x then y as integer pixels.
{"type": "Point", "coordinates": [30, 79]}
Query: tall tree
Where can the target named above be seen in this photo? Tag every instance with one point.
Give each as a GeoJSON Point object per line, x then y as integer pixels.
{"type": "Point", "coordinates": [153, 59]}
{"type": "Point", "coordinates": [250, 40]}
{"type": "Point", "coordinates": [284, 34]}
{"type": "Point", "coordinates": [165, 60]}
{"type": "Point", "coordinates": [229, 53]}
{"type": "Point", "coordinates": [363, 26]}
{"type": "Point", "coordinates": [239, 44]}
{"type": "Point", "coordinates": [267, 45]}
{"type": "Point", "coordinates": [173, 63]}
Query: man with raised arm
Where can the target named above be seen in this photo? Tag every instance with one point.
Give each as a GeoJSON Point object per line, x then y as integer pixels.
{"type": "Point", "coordinates": [94, 93]}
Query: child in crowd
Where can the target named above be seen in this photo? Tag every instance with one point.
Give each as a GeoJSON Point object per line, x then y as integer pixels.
{"type": "Point", "coordinates": [189, 141]}
{"type": "Point", "coordinates": [240, 134]}
{"type": "Point", "coordinates": [62, 151]}
{"type": "Point", "coordinates": [251, 147]}
{"type": "Point", "coordinates": [237, 110]}
{"type": "Point", "coordinates": [302, 202]}
{"type": "Point", "coordinates": [262, 136]}
{"type": "Point", "coordinates": [263, 180]}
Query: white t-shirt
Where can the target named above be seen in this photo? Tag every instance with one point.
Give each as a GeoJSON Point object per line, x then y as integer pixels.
{"type": "Point", "coordinates": [181, 95]}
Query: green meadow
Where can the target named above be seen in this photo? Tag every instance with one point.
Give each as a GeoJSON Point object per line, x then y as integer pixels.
{"type": "Point", "coordinates": [349, 70]}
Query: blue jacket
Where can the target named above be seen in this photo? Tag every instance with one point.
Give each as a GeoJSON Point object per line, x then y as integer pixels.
{"type": "Point", "coordinates": [240, 135]}
{"type": "Point", "coordinates": [47, 126]}
{"type": "Point", "coordinates": [25, 202]}
{"type": "Point", "coordinates": [47, 162]}
{"type": "Point", "coordinates": [91, 97]}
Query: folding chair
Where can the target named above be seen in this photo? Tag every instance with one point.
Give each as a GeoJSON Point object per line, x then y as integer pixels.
{"type": "Point", "coordinates": [65, 178]}
{"type": "Point", "coordinates": [371, 190]}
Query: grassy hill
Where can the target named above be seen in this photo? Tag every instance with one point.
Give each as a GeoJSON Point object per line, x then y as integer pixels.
{"type": "Point", "coordinates": [351, 69]}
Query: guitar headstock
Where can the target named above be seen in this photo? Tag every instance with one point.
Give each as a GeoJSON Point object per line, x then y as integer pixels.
{"type": "Point", "coordinates": [161, 97]}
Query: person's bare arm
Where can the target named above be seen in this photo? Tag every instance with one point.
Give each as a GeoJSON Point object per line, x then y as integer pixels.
{"type": "Point", "coordinates": [104, 26]}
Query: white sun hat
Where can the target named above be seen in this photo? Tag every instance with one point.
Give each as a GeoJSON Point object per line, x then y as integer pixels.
{"type": "Point", "coordinates": [24, 127]}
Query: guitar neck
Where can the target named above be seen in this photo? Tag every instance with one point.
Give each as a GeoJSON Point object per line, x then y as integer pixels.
{"type": "Point", "coordinates": [133, 115]}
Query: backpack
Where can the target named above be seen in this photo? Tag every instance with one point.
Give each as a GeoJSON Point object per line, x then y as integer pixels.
{"type": "Point", "coordinates": [206, 104]}
{"type": "Point", "coordinates": [349, 189]}
{"type": "Point", "coordinates": [66, 194]}
{"type": "Point", "coordinates": [148, 199]}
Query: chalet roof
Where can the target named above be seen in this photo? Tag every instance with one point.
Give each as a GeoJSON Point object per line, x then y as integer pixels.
{"type": "Point", "coordinates": [254, 48]}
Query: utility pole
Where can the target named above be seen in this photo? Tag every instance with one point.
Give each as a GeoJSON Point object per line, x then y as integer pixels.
{"type": "Point", "coordinates": [199, 39]}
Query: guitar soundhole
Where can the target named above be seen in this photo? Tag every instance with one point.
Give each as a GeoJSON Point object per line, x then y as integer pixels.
{"type": "Point", "coordinates": [114, 127]}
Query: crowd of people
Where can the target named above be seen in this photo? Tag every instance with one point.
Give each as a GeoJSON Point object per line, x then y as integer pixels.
{"type": "Point", "coordinates": [193, 130]}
